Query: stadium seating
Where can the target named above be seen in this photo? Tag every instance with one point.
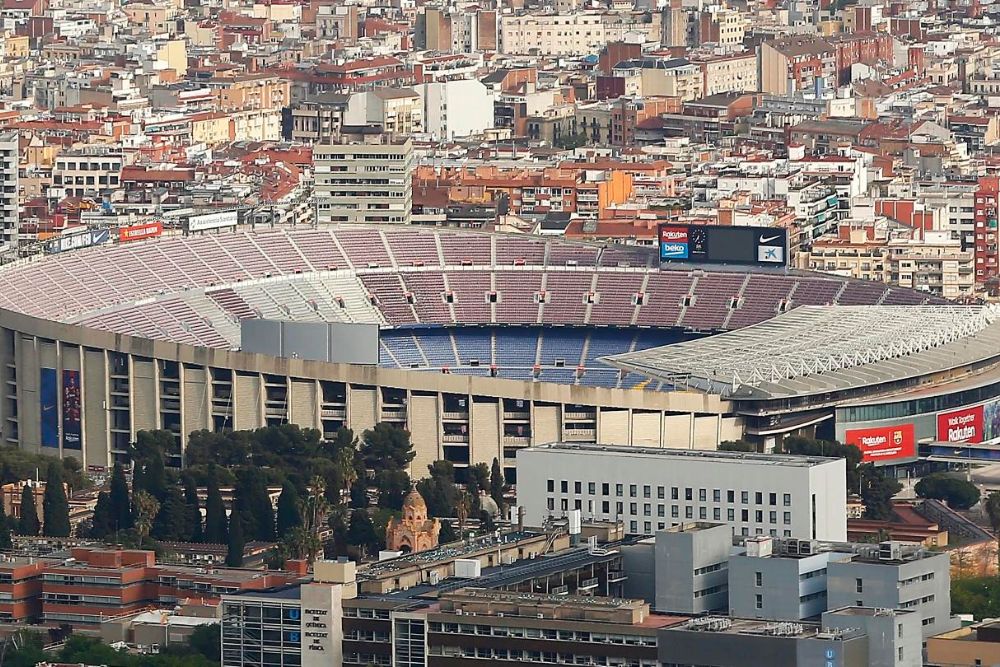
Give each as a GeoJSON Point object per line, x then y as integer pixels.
{"type": "Point", "coordinates": [482, 289]}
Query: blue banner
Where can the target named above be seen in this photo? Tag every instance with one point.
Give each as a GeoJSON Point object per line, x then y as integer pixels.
{"type": "Point", "coordinates": [72, 431]}
{"type": "Point", "coordinates": [48, 395]}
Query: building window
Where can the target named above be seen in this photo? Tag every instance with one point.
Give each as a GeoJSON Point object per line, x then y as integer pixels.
{"type": "Point", "coordinates": [564, 486]}
{"type": "Point", "coordinates": [605, 507]}
{"type": "Point", "coordinates": [551, 503]}
{"type": "Point", "coordinates": [730, 515]}
{"type": "Point", "coordinates": [633, 490]}
{"type": "Point", "coordinates": [702, 495]}
{"type": "Point", "coordinates": [702, 513]}
{"type": "Point", "coordinates": [689, 493]}
{"type": "Point", "coordinates": [744, 497]}
{"type": "Point", "coordinates": [758, 498]}
{"type": "Point", "coordinates": [661, 510]}
{"type": "Point", "coordinates": [564, 504]}
{"type": "Point", "coordinates": [619, 489]}
{"type": "Point", "coordinates": [717, 495]}
{"type": "Point", "coordinates": [647, 491]}
{"type": "Point", "coordinates": [673, 493]}
{"type": "Point", "coordinates": [745, 515]}
{"type": "Point", "coordinates": [633, 508]}
{"type": "Point", "coordinates": [660, 493]}
{"type": "Point", "coordinates": [674, 512]}
{"type": "Point", "coordinates": [592, 488]}
{"type": "Point", "coordinates": [647, 509]}
{"type": "Point", "coordinates": [758, 579]}
{"type": "Point", "coordinates": [605, 489]}
{"type": "Point", "coordinates": [577, 487]}
{"type": "Point", "coordinates": [730, 496]}
{"type": "Point", "coordinates": [772, 499]}
{"type": "Point", "coordinates": [758, 601]}
{"type": "Point", "coordinates": [772, 517]}
{"type": "Point", "coordinates": [859, 585]}
{"type": "Point", "coordinates": [551, 486]}
{"type": "Point", "coordinates": [688, 512]}
{"type": "Point", "coordinates": [786, 518]}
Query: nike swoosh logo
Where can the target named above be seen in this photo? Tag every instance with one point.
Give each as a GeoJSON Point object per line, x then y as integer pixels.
{"type": "Point", "coordinates": [768, 239]}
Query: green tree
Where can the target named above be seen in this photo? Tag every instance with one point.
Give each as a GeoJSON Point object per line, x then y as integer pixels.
{"type": "Point", "coordinates": [206, 640]}
{"type": "Point", "coordinates": [253, 501]}
{"type": "Point", "coordinates": [288, 514]}
{"type": "Point", "coordinates": [477, 479]}
{"type": "Point", "coordinates": [361, 532]}
{"type": "Point", "coordinates": [121, 506]}
{"type": "Point", "coordinates": [359, 494]}
{"type": "Point", "coordinates": [447, 533]}
{"type": "Point", "coordinates": [737, 446]}
{"type": "Point", "coordinates": [171, 521]}
{"type": "Point", "coordinates": [393, 485]}
{"type": "Point", "coordinates": [386, 447]}
{"type": "Point", "coordinates": [877, 491]}
{"type": "Point", "coordinates": [5, 526]}
{"type": "Point", "coordinates": [235, 543]}
{"type": "Point", "coordinates": [55, 506]}
{"type": "Point", "coordinates": [498, 485]}
{"type": "Point", "coordinates": [28, 524]}
{"type": "Point", "coordinates": [148, 452]}
{"type": "Point", "coordinates": [992, 508]}
{"type": "Point", "coordinates": [438, 489]}
{"type": "Point", "coordinates": [101, 524]}
{"type": "Point", "coordinates": [958, 493]}
{"type": "Point", "coordinates": [215, 514]}
{"type": "Point", "coordinates": [145, 506]}
{"type": "Point", "coordinates": [192, 512]}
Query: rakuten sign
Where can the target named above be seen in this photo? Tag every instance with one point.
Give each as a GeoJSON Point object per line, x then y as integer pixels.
{"type": "Point", "coordinates": [964, 425]}
{"type": "Point", "coordinates": [885, 443]}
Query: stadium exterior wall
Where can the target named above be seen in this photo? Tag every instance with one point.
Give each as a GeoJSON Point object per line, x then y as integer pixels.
{"type": "Point", "coordinates": [124, 384]}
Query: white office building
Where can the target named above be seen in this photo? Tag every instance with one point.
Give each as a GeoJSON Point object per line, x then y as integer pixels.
{"type": "Point", "coordinates": [651, 489]}
{"type": "Point", "coordinates": [9, 156]}
{"type": "Point", "coordinates": [366, 182]}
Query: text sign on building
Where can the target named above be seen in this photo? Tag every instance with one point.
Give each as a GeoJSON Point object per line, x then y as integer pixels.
{"type": "Point", "coordinates": [965, 425]}
{"type": "Point", "coordinates": [140, 232]}
{"type": "Point", "coordinates": [884, 443]}
{"type": "Point", "coordinates": [723, 244]}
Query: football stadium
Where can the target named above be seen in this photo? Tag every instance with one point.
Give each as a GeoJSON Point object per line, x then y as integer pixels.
{"type": "Point", "coordinates": [486, 343]}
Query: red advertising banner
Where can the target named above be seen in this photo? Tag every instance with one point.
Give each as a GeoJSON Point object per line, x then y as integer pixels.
{"type": "Point", "coordinates": [885, 443]}
{"type": "Point", "coordinates": [139, 232]}
{"type": "Point", "coordinates": [965, 425]}
{"type": "Point", "coordinates": [670, 234]}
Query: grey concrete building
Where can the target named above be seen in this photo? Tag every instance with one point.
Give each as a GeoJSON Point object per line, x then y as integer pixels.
{"type": "Point", "coordinates": [695, 560]}
{"type": "Point", "coordinates": [779, 587]}
{"type": "Point", "coordinates": [651, 489]}
{"type": "Point", "coordinates": [725, 642]}
{"type": "Point", "coordinates": [364, 182]}
{"type": "Point", "coordinates": [894, 638]}
{"type": "Point", "coordinates": [848, 637]}
{"type": "Point", "coordinates": [894, 576]}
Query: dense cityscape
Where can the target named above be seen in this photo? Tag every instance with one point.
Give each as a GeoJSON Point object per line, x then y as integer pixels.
{"type": "Point", "coordinates": [393, 333]}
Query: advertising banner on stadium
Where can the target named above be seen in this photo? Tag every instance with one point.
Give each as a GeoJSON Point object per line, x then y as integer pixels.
{"type": "Point", "coordinates": [72, 431]}
{"type": "Point", "coordinates": [206, 221]}
{"type": "Point", "coordinates": [139, 232]}
{"type": "Point", "coordinates": [673, 242]}
{"type": "Point", "coordinates": [884, 444]}
{"type": "Point", "coordinates": [965, 425]}
{"type": "Point", "coordinates": [48, 395]}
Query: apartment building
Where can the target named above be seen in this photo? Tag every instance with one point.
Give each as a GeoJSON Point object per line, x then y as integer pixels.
{"type": "Point", "coordinates": [89, 171]}
{"type": "Point", "coordinates": [364, 182]}
{"type": "Point", "coordinates": [315, 119]}
{"type": "Point", "coordinates": [398, 111]}
{"type": "Point", "coordinates": [9, 160]}
{"type": "Point", "coordinates": [792, 496]}
{"type": "Point", "coordinates": [575, 33]}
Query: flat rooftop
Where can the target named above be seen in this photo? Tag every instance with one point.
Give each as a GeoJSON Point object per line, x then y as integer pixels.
{"type": "Point", "coordinates": [618, 451]}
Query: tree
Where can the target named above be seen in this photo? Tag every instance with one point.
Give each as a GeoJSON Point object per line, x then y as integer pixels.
{"type": "Point", "coordinates": [171, 521]}
{"type": "Point", "coordinates": [121, 507]}
{"type": "Point", "coordinates": [361, 531]}
{"type": "Point", "coordinates": [498, 485]}
{"type": "Point", "coordinates": [235, 543]}
{"type": "Point", "coordinates": [386, 447]}
{"type": "Point", "coordinates": [486, 522]}
{"type": "Point", "coordinates": [55, 506]}
{"type": "Point", "coordinates": [253, 501]}
{"type": "Point", "coordinates": [215, 514]}
{"type": "Point", "coordinates": [992, 508]}
{"type": "Point", "coordinates": [192, 512]}
{"type": "Point", "coordinates": [145, 507]}
{"type": "Point", "coordinates": [5, 541]}
{"type": "Point", "coordinates": [101, 524]}
{"type": "Point", "coordinates": [288, 515]}
{"type": "Point", "coordinates": [28, 524]}
{"type": "Point", "coordinates": [438, 489]}
{"type": "Point", "coordinates": [877, 491]}
{"type": "Point", "coordinates": [148, 452]}
{"type": "Point", "coordinates": [447, 533]}
{"type": "Point", "coordinates": [207, 641]}
{"type": "Point", "coordinates": [478, 479]}
{"type": "Point", "coordinates": [737, 446]}
{"type": "Point", "coordinates": [958, 493]}
{"type": "Point", "coordinates": [393, 485]}
{"type": "Point", "coordinates": [359, 494]}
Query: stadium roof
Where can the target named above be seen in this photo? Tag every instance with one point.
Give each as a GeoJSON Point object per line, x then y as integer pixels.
{"type": "Point", "coordinates": [821, 349]}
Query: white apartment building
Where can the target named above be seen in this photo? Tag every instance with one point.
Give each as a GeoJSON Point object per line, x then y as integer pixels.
{"type": "Point", "coordinates": [577, 33]}
{"type": "Point", "coordinates": [9, 155]}
{"type": "Point", "coordinates": [364, 182]}
{"type": "Point", "coordinates": [456, 108]}
{"type": "Point", "coordinates": [651, 489]}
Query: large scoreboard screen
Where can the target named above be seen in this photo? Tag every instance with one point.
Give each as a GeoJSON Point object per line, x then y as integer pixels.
{"type": "Point", "coordinates": [714, 244]}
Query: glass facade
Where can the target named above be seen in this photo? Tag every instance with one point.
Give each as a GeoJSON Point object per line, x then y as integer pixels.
{"type": "Point", "coordinates": [260, 633]}
{"type": "Point", "coordinates": [918, 406]}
